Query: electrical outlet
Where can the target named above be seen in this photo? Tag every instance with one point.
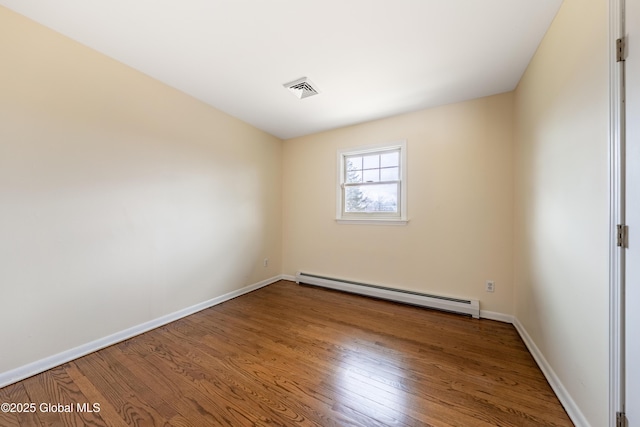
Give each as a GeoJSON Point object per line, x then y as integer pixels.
{"type": "Point", "coordinates": [266, 262]}
{"type": "Point", "coordinates": [490, 286]}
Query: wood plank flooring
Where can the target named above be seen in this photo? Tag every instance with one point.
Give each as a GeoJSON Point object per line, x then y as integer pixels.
{"type": "Point", "coordinates": [290, 355]}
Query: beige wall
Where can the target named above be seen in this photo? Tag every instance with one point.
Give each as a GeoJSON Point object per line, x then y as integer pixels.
{"type": "Point", "coordinates": [121, 199]}
{"type": "Point", "coordinates": [561, 272]}
{"type": "Point", "coordinates": [460, 200]}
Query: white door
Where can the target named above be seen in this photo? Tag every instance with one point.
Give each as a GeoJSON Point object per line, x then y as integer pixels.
{"type": "Point", "coordinates": [632, 211]}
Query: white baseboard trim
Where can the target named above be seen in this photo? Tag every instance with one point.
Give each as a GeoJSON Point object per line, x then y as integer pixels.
{"type": "Point", "coordinates": [47, 363]}
{"type": "Point", "coordinates": [288, 277]}
{"type": "Point", "coordinates": [569, 404]}
{"type": "Point", "coordinates": [494, 315]}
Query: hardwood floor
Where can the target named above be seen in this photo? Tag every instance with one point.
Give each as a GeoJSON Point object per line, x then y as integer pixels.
{"type": "Point", "coordinates": [290, 355]}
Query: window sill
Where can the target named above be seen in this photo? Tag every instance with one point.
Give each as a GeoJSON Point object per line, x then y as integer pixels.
{"type": "Point", "coordinates": [376, 221]}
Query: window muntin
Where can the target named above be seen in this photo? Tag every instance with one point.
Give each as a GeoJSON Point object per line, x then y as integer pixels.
{"type": "Point", "coordinates": [384, 166]}
{"type": "Point", "coordinates": [371, 183]}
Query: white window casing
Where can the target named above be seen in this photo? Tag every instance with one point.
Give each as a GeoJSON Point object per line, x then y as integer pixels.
{"type": "Point", "coordinates": [372, 184]}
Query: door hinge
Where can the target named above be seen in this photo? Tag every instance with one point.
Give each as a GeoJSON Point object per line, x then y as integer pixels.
{"type": "Point", "coordinates": [622, 235]}
{"type": "Point", "coordinates": [621, 419]}
{"type": "Point", "coordinates": [620, 50]}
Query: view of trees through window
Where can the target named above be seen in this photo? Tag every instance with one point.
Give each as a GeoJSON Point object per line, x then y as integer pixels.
{"type": "Point", "coordinates": [372, 182]}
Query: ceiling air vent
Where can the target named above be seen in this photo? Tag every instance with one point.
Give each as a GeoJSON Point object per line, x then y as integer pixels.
{"type": "Point", "coordinates": [302, 88]}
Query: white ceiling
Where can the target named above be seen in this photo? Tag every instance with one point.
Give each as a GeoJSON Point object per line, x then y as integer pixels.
{"type": "Point", "coordinates": [369, 58]}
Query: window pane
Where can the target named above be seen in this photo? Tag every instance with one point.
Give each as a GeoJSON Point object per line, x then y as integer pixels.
{"type": "Point", "coordinates": [372, 175]}
{"type": "Point", "coordinates": [390, 159]}
{"type": "Point", "coordinates": [372, 161]}
{"type": "Point", "coordinates": [354, 163]}
{"type": "Point", "coordinates": [389, 174]}
{"type": "Point", "coordinates": [354, 176]}
{"type": "Point", "coordinates": [372, 198]}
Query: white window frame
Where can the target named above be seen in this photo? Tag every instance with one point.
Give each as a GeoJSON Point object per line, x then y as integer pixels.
{"type": "Point", "coordinates": [383, 218]}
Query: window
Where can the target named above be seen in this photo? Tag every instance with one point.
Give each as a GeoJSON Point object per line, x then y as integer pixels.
{"type": "Point", "coordinates": [372, 184]}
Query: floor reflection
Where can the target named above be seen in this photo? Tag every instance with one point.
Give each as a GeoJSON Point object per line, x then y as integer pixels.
{"type": "Point", "coordinates": [370, 379]}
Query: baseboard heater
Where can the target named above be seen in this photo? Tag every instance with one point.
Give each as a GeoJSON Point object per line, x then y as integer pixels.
{"type": "Point", "coordinates": [463, 306]}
